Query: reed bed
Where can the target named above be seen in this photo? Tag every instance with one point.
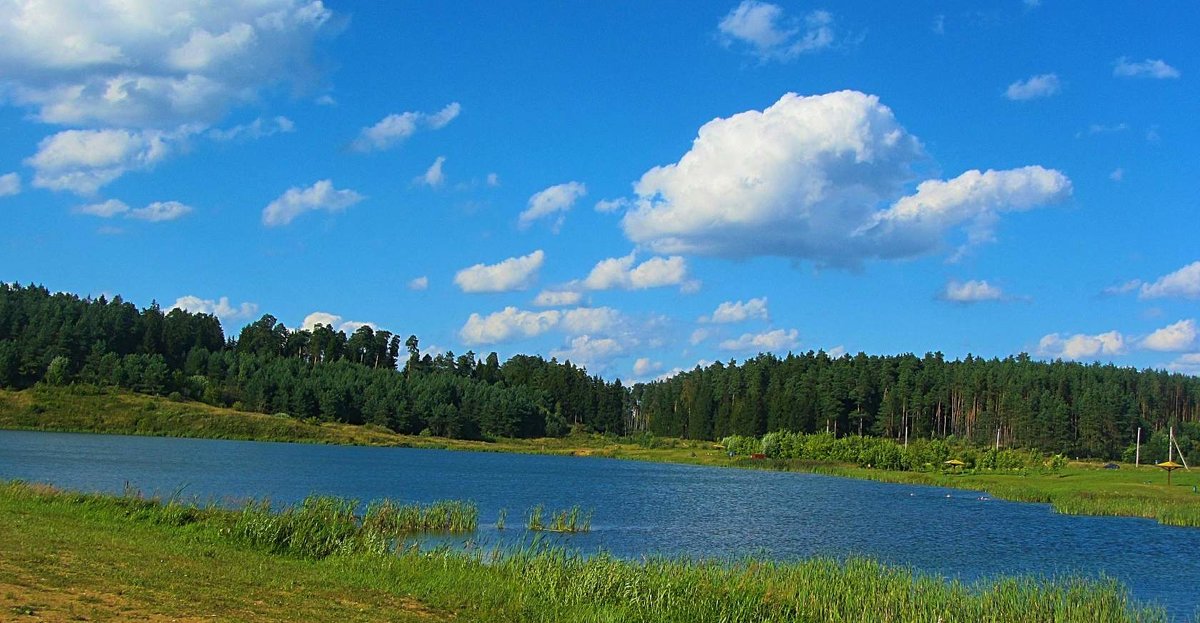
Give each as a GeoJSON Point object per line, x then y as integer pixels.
{"type": "Point", "coordinates": [567, 520]}
{"type": "Point", "coordinates": [321, 526]}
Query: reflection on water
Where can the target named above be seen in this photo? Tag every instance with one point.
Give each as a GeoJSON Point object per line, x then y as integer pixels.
{"type": "Point", "coordinates": [645, 509]}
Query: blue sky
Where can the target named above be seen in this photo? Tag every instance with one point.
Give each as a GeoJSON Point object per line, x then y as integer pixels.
{"type": "Point", "coordinates": [638, 187]}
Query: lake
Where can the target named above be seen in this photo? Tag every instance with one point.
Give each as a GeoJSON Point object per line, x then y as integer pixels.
{"type": "Point", "coordinates": [643, 509]}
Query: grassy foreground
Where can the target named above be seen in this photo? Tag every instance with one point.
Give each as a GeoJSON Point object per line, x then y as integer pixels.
{"type": "Point", "coordinates": [67, 556]}
{"type": "Point", "coordinates": [1082, 488]}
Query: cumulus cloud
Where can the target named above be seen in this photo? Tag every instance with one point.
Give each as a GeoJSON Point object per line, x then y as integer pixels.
{"type": "Point", "coordinates": [557, 298]}
{"type": "Point", "coordinates": [591, 320]}
{"type": "Point", "coordinates": [147, 63]}
{"type": "Point", "coordinates": [296, 201]}
{"type": "Point", "coordinates": [589, 352]}
{"type": "Point", "coordinates": [419, 283]}
{"type": "Point", "coordinates": [1186, 364]}
{"type": "Point", "coordinates": [1080, 346]}
{"type": "Point", "coordinates": [765, 31]}
{"type": "Point", "coordinates": [10, 184]}
{"type": "Point", "coordinates": [1184, 282]}
{"type": "Point", "coordinates": [737, 311]}
{"type": "Point", "coordinates": [1172, 338]}
{"type": "Point", "coordinates": [621, 272]}
{"type": "Point", "coordinates": [805, 179]}
{"type": "Point", "coordinates": [507, 324]}
{"type": "Point", "coordinates": [396, 127]}
{"type": "Point", "coordinates": [1149, 68]}
{"type": "Point", "coordinates": [1043, 85]}
{"type": "Point", "coordinates": [770, 341]}
{"type": "Point", "coordinates": [643, 366]}
{"type": "Point", "coordinates": [82, 161]}
{"type": "Point", "coordinates": [512, 323]}
{"type": "Point", "coordinates": [337, 323]}
{"type": "Point", "coordinates": [514, 273]}
{"type": "Point", "coordinates": [971, 292]}
{"type": "Point", "coordinates": [555, 200]}
{"type": "Point", "coordinates": [220, 308]}
{"type": "Point", "coordinates": [433, 176]}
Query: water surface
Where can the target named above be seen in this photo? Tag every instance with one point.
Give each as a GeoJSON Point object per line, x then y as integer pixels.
{"type": "Point", "coordinates": [643, 509]}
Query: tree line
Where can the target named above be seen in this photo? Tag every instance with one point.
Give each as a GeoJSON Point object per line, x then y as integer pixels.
{"type": "Point", "coordinates": [372, 376]}
{"type": "Point", "coordinates": [1084, 410]}
{"type": "Point", "coordinates": [367, 377]}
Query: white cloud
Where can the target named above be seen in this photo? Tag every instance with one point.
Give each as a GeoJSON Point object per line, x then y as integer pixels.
{"type": "Point", "coordinates": [620, 272]}
{"type": "Point", "coordinates": [493, 179]}
{"type": "Point", "coordinates": [513, 323]}
{"type": "Point", "coordinates": [82, 161]}
{"type": "Point", "coordinates": [1117, 175]}
{"type": "Point", "coordinates": [1184, 282]}
{"type": "Point", "coordinates": [939, 24]}
{"type": "Point", "coordinates": [803, 179]}
{"type": "Point", "coordinates": [1186, 364]}
{"type": "Point", "coordinates": [257, 129]}
{"type": "Point", "coordinates": [971, 292]}
{"type": "Point", "coordinates": [608, 206]}
{"type": "Point", "coordinates": [1080, 346]}
{"type": "Point", "coordinates": [557, 298]}
{"type": "Point", "coordinates": [591, 320]}
{"type": "Point", "coordinates": [220, 308]}
{"type": "Point", "coordinates": [160, 211]}
{"type": "Point", "coordinates": [155, 212]}
{"type": "Point", "coordinates": [148, 63]}
{"type": "Point", "coordinates": [337, 323]}
{"type": "Point", "coordinates": [1149, 68]}
{"type": "Point", "coordinates": [10, 184]}
{"type": "Point", "coordinates": [433, 176]}
{"type": "Point", "coordinates": [105, 209]}
{"type": "Point", "coordinates": [699, 335]}
{"type": "Point", "coordinates": [419, 283]}
{"type": "Point", "coordinates": [769, 34]}
{"type": "Point", "coordinates": [737, 311]}
{"type": "Point", "coordinates": [296, 201]}
{"type": "Point", "coordinates": [643, 366]}
{"type": "Point", "coordinates": [1122, 288]}
{"type": "Point", "coordinates": [590, 352]}
{"type": "Point", "coordinates": [1043, 85]}
{"type": "Point", "coordinates": [770, 341]}
{"type": "Point", "coordinates": [557, 199]}
{"type": "Point", "coordinates": [396, 127]}
{"type": "Point", "coordinates": [507, 324]}
{"type": "Point", "coordinates": [837, 352]}
{"type": "Point", "coordinates": [514, 273]}
{"type": "Point", "coordinates": [1099, 128]}
{"type": "Point", "coordinates": [1172, 338]}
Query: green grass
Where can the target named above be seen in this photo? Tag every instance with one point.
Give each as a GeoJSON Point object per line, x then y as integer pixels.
{"type": "Point", "coordinates": [91, 557]}
{"type": "Point", "coordinates": [1081, 488]}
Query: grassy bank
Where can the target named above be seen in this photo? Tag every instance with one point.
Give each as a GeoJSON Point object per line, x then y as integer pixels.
{"type": "Point", "coordinates": [66, 556]}
{"type": "Point", "coordinates": [1081, 488]}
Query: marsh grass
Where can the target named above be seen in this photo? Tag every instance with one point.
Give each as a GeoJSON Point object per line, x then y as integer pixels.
{"type": "Point", "coordinates": [535, 583]}
{"type": "Point", "coordinates": [567, 520]}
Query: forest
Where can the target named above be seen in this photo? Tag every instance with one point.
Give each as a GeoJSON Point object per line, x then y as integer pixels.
{"type": "Point", "coordinates": [372, 376]}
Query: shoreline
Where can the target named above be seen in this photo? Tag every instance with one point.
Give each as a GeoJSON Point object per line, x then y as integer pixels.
{"type": "Point", "coordinates": [1081, 489]}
